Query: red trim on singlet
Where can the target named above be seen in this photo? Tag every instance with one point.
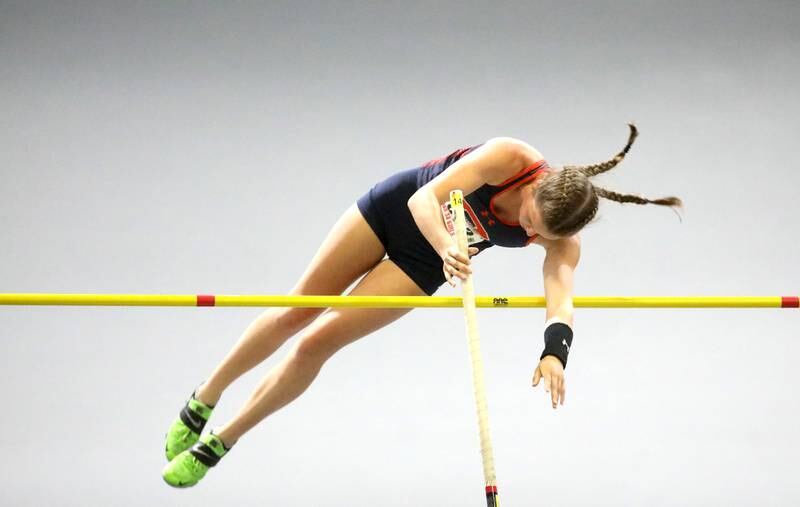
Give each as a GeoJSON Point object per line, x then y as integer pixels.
{"type": "Point", "coordinates": [457, 154]}
{"type": "Point", "coordinates": [535, 174]}
{"type": "Point", "coordinates": [535, 165]}
{"type": "Point", "coordinates": [432, 162]}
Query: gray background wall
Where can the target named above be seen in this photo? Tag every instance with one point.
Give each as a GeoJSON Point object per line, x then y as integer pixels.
{"type": "Point", "coordinates": [207, 147]}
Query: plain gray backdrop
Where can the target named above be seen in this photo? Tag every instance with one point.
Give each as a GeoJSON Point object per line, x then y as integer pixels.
{"type": "Point", "coordinates": [208, 147]}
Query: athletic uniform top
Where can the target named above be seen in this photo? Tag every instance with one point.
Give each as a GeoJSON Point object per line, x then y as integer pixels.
{"type": "Point", "coordinates": [385, 208]}
{"type": "Point", "coordinates": [484, 227]}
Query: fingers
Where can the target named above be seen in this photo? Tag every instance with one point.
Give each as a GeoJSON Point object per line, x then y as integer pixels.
{"type": "Point", "coordinates": [449, 272]}
{"type": "Point", "coordinates": [553, 384]}
{"type": "Point", "coordinates": [448, 276]}
{"type": "Point", "coordinates": [457, 264]}
{"type": "Point", "coordinates": [460, 261]}
{"type": "Point", "coordinates": [458, 268]}
{"type": "Point", "coordinates": [461, 257]}
{"type": "Point", "coordinates": [558, 390]}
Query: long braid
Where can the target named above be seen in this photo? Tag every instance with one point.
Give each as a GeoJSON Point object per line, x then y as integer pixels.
{"type": "Point", "coordinates": [623, 198]}
{"type": "Point", "coordinates": [569, 200]}
{"type": "Point", "coordinates": [595, 169]}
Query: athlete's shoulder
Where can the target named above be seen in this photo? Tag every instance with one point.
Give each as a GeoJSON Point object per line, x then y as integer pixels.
{"type": "Point", "coordinates": [514, 157]}
{"type": "Point", "coordinates": [518, 147]}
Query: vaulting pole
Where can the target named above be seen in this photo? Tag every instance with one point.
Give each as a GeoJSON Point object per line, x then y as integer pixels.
{"type": "Point", "coordinates": [475, 356]}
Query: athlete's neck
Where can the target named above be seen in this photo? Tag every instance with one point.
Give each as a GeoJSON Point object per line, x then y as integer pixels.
{"type": "Point", "coordinates": [509, 205]}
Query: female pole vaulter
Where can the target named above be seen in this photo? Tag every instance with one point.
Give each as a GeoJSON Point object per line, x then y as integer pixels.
{"type": "Point", "coordinates": [513, 198]}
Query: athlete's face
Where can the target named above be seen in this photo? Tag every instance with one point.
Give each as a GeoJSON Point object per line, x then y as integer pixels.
{"type": "Point", "coordinates": [530, 217]}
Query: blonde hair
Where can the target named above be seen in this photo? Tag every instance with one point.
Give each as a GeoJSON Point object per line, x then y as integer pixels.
{"type": "Point", "coordinates": [568, 200]}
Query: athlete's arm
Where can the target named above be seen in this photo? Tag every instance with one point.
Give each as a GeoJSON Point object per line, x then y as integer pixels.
{"type": "Point", "coordinates": [560, 261]}
{"type": "Point", "coordinates": [495, 161]}
{"type": "Point", "coordinates": [558, 270]}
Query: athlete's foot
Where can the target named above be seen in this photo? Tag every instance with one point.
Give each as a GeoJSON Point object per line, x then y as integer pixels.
{"type": "Point", "coordinates": [191, 465]}
{"type": "Point", "coordinates": [187, 427]}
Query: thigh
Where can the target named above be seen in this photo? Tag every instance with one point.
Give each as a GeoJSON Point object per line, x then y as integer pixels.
{"type": "Point", "coordinates": [338, 327]}
{"type": "Point", "coordinates": [350, 249]}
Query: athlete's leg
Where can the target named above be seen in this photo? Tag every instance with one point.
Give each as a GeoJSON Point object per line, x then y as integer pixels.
{"type": "Point", "coordinates": [320, 340]}
{"type": "Point", "coordinates": [350, 250]}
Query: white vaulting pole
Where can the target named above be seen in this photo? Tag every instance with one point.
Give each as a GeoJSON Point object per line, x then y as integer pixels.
{"type": "Point", "coordinates": [474, 343]}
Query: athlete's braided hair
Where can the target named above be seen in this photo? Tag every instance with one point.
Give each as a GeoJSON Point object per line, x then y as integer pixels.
{"type": "Point", "coordinates": [568, 200]}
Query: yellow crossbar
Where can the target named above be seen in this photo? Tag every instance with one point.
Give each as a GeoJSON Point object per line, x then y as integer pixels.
{"type": "Point", "coordinates": [393, 301]}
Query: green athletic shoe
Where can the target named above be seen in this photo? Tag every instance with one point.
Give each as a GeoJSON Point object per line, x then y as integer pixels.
{"type": "Point", "coordinates": [191, 465]}
{"type": "Point", "coordinates": [187, 427]}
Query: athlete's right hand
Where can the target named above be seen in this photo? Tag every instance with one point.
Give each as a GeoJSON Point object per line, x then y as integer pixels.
{"type": "Point", "coordinates": [455, 263]}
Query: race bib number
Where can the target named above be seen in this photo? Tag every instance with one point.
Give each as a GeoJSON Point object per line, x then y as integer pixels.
{"type": "Point", "coordinates": [475, 231]}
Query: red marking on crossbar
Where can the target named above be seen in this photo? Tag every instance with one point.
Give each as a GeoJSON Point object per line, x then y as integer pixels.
{"type": "Point", "coordinates": [790, 302]}
{"type": "Point", "coordinates": [491, 490]}
{"type": "Point", "coordinates": [206, 300]}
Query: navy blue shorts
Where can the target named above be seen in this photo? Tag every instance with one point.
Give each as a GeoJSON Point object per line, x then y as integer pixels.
{"type": "Point", "coordinates": [385, 208]}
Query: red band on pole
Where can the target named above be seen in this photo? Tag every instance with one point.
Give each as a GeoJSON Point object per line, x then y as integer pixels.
{"type": "Point", "coordinates": [491, 490]}
{"type": "Point", "coordinates": [206, 300]}
{"type": "Point", "coordinates": [790, 302]}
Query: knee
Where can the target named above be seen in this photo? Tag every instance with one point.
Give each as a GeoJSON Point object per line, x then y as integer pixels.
{"type": "Point", "coordinates": [313, 348]}
{"type": "Point", "coordinates": [296, 319]}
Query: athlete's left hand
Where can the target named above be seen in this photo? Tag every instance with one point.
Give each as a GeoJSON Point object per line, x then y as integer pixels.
{"type": "Point", "coordinates": [551, 370]}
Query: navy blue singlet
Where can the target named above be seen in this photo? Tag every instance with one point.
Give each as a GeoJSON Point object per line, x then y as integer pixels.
{"type": "Point", "coordinates": [385, 208]}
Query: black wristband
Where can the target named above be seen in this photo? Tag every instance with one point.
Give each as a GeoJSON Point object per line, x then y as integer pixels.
{"type": "Point", "coordinates": [557, 341]}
